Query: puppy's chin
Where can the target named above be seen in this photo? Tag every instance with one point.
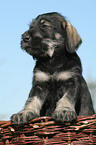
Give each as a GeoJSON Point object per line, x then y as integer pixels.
{"type": "Point", "coordinates": [32, 51]}
{"type": "Point", "coordinates": [36, 51]}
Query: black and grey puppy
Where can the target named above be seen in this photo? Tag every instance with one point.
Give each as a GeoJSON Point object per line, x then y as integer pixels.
{"type": "Point", "coordinates": [58, 90]}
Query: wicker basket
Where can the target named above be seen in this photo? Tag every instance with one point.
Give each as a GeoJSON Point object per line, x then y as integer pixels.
{"type": "Point", "coordinates": [45, 131]}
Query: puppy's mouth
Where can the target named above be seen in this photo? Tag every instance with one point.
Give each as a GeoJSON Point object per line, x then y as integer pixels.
{"type": "Point", "coordinates": [24, 45]}
{"type": "Point", "coordinates": [31, 42]}
{"type": "Point", "coordinates": [33, 47]}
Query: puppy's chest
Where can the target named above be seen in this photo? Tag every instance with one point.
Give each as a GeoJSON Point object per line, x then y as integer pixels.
{"type": "Point", "coordinates": [45, 72]}
{"type": "Point", "coordinates": [43, 76]}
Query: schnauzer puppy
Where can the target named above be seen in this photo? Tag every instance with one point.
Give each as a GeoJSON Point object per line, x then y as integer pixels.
{"type": "Point", "coordinates": [58, 89]}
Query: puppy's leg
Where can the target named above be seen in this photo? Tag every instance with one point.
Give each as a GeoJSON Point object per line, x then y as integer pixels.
{"type": "Point", "coordinates": [65, 110]}
{"type": "Point", "coordinates": [86, 107]}
{"type": "Point", "coordinates": [31, 109]}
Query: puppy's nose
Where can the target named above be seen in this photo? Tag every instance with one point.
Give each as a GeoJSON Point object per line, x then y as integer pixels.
{"type": "Point", "coordinates": [26, 37]}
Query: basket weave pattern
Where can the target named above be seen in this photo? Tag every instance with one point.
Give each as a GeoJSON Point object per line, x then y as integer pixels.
{"type": "Point", "coordinates": [46, 131]}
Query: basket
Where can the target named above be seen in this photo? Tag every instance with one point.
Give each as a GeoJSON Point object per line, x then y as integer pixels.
{"type": "Point", "coordinates": [46, 131]}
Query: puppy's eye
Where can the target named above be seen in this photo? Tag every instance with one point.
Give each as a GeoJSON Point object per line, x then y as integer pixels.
{"type": "Point", "coordinates": [46, 24]}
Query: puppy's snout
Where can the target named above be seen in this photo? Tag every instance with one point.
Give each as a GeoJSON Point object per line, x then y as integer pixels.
{"type": "Point", "coordinates": [26, 37]}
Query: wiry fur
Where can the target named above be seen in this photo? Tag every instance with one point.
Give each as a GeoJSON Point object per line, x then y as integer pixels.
{"type": "Point", "coordinates": [58, 89]}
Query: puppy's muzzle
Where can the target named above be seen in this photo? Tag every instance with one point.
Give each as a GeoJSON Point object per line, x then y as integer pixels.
{"type": "Point", "coordinates": [26, 37]}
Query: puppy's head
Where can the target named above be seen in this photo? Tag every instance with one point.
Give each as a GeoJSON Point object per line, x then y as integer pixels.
{"type": "Point", "coordinates": [50, 34]}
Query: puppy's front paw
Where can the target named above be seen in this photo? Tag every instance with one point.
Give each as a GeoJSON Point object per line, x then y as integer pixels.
{"type": "Point", "coordinates": [23, 117]}
{"type": "Point", "coordinates": [64, 115]}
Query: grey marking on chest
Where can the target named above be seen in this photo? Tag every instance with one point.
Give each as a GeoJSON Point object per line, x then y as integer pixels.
{"type": "Point", "coordinates": [44, 77]}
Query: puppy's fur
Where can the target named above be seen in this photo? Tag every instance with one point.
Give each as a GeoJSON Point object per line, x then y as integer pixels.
{"type": "Point", "coordinates": [58, 90]}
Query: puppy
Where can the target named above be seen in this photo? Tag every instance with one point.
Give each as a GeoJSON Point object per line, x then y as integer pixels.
{"type": "Point", "coordinates": [58, 89]}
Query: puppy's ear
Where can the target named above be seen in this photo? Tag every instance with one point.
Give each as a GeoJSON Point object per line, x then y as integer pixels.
{"type": "Point", "coordinates": [73, 39]}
